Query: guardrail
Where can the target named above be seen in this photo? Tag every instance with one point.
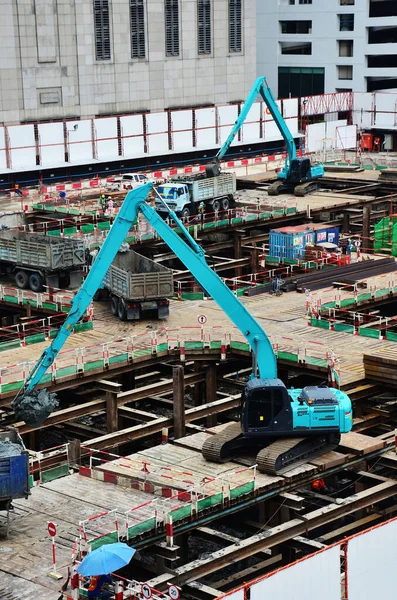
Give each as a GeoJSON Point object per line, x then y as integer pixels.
{"type": "Point", "coordinates": [122, 351]}
{"type": "Point", "coordinates": [50, 464]}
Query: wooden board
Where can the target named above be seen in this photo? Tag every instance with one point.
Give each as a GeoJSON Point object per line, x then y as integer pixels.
{"type": "Point", "coordinates": [359, 444]}
{"type": "Point", "coordinates": [329, 460]}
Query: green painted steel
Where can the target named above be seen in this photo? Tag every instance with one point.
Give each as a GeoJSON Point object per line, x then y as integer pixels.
{"type": "Point", "coordinates": [35, 339]}
{"type": "Point", "coordinates": [136, 530]}
{"type": "Point", "coordinates": [55, 473]}
{"type": "Point", "coordinates": [392, 337]}
{"type": "Point", "coordinates": [344, 327]}
{"type": "Point", "coordinates": [192, 295]}
{"type": "Point", "coordinates": [103, 225]}
{"type": "Point", "coordinates": [181, 513]}
{"type": "Point", "coordinates": [113, 360]}
{"type": "Point", "coordinates": [321, 323]}
{"type": "Point", "coordinates": [11, 299]}
{"type": "Point", "coordinates": [11, 387]}
{"type": "Point", "coordinates": [95, 364]}
{"type": "Point", "coordinates": [290, 356]}
{"type": "Point", "coordinates": [291, 210]}
{"type": "Point", "coordinates": [65, 371]}
{"type": "Point", "coordinates": [88, 228]}
{"type": "Point", "coordinates": [370, 333]}
{"type": "Point", "coordinates": [364, 297]}
{"type": "Point", "coordinates": [215, 345]}
{"type": "Point", "coordinates": [30, 301]}
{"type": "Point", "coordinates": [206, 503]}
{"type": "Point", "coordinates": [237, 221]}
{"type": "Point", "coordinates": [347, 302]}
{"type": "Point", "coordinates": [383, 292]}
{"type": "Point", "coordinates": [316, 362]}
{"type": "Point", "coordinates": [86, 326]}
{"type": "Point", "coordinates": [247, 488]}
{"type": "Point", "coordinates": [161, 348]}
{"type": "Point", "coordinates": [240, 346]}
{"type": "Point", "coordinates": [194, 345]}
{"type": "Point", "coordinates": [49, 305]}
{"type": "Point", "coordinates": [70, 230]}
{"type": "Point", "coordinates": [4, 346]}
{"type": "Point", "coordinates": [274, 260]}
{"type": "Point", "coordinates": [54, 232]}
{"type": "Point", "coordinates": [290, 261]}
{"type": "Point", "coordinates": [328, 305]}
{"type": "Point", "coordinates": [111, 538]}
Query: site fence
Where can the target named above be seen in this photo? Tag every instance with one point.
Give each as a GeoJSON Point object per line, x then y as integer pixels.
{"type": "Point", "coordinates": [336, 314]}
{"type": "Point", "coordinates": [178, 496]}
{"type": "Point", "coordinates": [50, 464]}
{"type": "Point", "coordinates": [123, 351]}
{"type": "Point", "coordinates": [59, 301]}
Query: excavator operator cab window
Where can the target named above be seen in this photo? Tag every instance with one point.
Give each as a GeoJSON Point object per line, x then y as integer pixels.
{"type": "Point", "coordinates": [263, 405]}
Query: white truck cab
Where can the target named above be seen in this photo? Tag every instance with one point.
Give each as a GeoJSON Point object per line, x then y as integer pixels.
{"type": "Point", "coordinates": [176, 196]}
{"type": "Point", "coordinates": [128, 181]}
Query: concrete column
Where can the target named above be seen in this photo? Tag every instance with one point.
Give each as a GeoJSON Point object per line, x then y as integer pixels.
{"type": "Point", "coordinates": [210, 388]}
{"type": "Point", "coordinates": [179, 401]}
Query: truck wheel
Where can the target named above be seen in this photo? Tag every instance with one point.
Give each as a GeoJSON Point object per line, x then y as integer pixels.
{"type": "Point", "coordinates": [114, 305]}
{"type": "Point", "coordinates": [121, 310]}
{"type": "Point", "coordinates": [186, 212]}
{"type": "Point", "coordinates": [36, 282]}
{"type": "Point", "coordinates": [22, 280]}
{"type": "Point", "coordinates": [225, 204]}
{"type": "Point", "coordinates": [216, 206]}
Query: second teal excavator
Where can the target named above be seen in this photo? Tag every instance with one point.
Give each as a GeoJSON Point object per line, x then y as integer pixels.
{"type": "Point", "coordinates": [298, 176]}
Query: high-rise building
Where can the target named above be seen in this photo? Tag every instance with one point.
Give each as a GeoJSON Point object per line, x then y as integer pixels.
{"type": "Point", "coordinates": [84, 58]}
{"type": "Point", "coordinates": [307, 47]}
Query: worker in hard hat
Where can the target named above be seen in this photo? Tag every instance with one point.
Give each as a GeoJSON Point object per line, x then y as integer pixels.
{"type": "Point", "coordinates": [103, 203]}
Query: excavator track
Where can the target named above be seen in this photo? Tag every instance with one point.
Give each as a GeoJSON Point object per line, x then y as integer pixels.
{"type": "Point", "coordinates": [217, 448]}
{"type": "Point", "coordinates": [305, 188]}
{"type": "Point", "coordinates": [275, 188]}
{"type": "Point", "coordinates": [291, 452]}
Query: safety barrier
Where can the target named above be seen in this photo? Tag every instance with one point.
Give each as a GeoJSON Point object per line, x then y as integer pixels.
{"type": "Point", "coordinates": [50, 464]}
{"type": "Point", "coordinates": [172, 505]}
{"type": "Point", "coordinates": [115, 353]}
{"type": "Point", "coordinates": [56, 301]}
{"type": "Point", "coordinates": [38, 330]}
{"type": "Point", "coordinates": [335, 315]}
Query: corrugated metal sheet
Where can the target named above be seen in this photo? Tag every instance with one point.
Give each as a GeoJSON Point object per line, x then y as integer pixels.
{"type": "Point", "coordinates": [290, 244]}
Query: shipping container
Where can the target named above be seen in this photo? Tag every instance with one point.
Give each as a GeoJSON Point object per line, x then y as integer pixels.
{"type": "Point", "coordinates": [290, 242]}
{"type": "Point", "coordinates": [325, 233]}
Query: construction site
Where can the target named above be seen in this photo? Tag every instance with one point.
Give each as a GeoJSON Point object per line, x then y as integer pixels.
{"type": "Point", "coordinates": [200, 363]}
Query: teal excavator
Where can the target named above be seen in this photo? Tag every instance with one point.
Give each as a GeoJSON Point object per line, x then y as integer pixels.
{"type": "Point", "coordinates": [284, 425]}
{"type": "Point", "coordinates": [298, 175]}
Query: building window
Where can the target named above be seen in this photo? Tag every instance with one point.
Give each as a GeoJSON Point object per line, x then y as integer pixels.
{"type": "Point", "coordinates": [305, 1]}
{"type": "Point", "coordinates": [346, 22]}
{"type": "Point", "coordinates": [235, 25]}
{"type": "Point", "coordinates": [171, 9]}
{"type": "Point", "coordinates": [345, 72]}
{"type": "Point", "coordinates": [296, 26]}
{"type": "Point", "coordinates": [296, 47]}
{"type": "Point", "coordinates": [345, 47]}
{"type": "Point", "coordinates": [137, 17]}
{"type": "Point", "coordinates": [204, 26]}
{"type": "Point", "coordinates": [382, 35]}
{"type": "Point", "coordinates": [347, 2]}
{"type": "Point", "coordinates": [294, 82]}
{"type": "Point", "coordinates": [102, 29]}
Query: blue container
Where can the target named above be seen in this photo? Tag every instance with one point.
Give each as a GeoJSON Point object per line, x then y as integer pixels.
{"type": "Point", "coordinates": [290, 242]}
{"type": "Point", "coordinates": [327, 234]}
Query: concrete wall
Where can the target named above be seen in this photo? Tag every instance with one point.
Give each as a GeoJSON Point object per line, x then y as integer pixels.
{"type": "Point", "coordinates": [48, 67]}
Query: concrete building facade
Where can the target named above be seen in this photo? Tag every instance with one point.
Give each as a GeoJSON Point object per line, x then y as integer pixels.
{"type": "Point", "coordinates": [307, 47]}
{"type": "Point", "coordinates": [86, 58]}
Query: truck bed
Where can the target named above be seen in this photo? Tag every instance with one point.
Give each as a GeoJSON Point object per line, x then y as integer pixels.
{"type": "Point", "coordinates": [135, 277]}
{"type": "Point", "coordinates": [40, 251]}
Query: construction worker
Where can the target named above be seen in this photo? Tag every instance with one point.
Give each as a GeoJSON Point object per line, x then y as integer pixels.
{"type": "Point", "coordinates": [110, 206]}
{"type": "Point", "coordinates": [17, 190]}
{"type": "Point", "coordinates": [318, 486]}
{"type": "Point", "coordinates": [102, 203]}
{"type": "Point", "coordinates": [96, 583]}
{"type": "Point", "coordinates": [201, 209]}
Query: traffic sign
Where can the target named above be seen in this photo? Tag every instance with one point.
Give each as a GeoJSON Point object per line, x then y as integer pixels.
{"type": "Point", "coordinates": [52, 529]}
{"type": "Point", "coordinates": [146, 590]}
{"type": "Point", "coordinates": [173, 592]}
{"type": "Point", "coordinates": [202, 319]}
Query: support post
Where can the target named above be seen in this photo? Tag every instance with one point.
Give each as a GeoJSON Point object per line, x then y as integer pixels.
{"type": "Point", "coordinates": [237, 250]}
{"type": "Point", "coordinates": [128, 380]}
{"type": "Point", "coordinates": [112, 412]}
{"type": "Point", "coordinates": [346, 222]}
{"type": "Point", "coordinates": [254, 260]}
{"type": "Point", "coordinates": [198, 391]}
{"type": "Point", "coordinates": [210, 385]}
{"type": "Point", "coordinates": [178, 375]}
{"type": "Point", "coordinates": [366, 228]}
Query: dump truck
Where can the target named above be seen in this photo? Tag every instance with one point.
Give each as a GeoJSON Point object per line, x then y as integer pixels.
{"type": "Point", "coordinates": [37, 260]}
{"type": "Point", "coordinates": [184, 194]}
{"type": "Point", "coordinates": [14, 470]}
{"type": "Point", "coordinates": [138, 286]}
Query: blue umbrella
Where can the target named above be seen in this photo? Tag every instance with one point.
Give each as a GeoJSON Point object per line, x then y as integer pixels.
{"type": "Point", "coordinates": [106, 559]}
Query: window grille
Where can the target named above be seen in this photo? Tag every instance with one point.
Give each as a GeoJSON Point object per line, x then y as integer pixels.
{"type": "Point", "coordinates": [171, 9]}
{"type": "Point", "coordinates": [137, 16]}
{"type": "Point", "coordinates": [235, 25]}
{"type": "Point", "coordinates": [102, 29]}
{"type": "Point", "coordinates": [204, 26]}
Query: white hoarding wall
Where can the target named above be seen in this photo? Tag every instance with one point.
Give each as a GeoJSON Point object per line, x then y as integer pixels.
{"type": "Point", "coordinates": [346, 137]}
{"type": "Point", "coordinates": [371, 560]}
{"type": "Point", "coordinates": [162, 133]}
{"type": "Point", "coordinates": [303, 580]}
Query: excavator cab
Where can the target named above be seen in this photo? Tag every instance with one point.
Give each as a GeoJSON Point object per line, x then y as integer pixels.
{"type": "Point", "coordinates": [300, 170]}
{"type": "Point", "coordinates": [266, 408]}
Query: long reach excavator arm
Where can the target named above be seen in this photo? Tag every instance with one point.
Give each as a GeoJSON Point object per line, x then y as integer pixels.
{"type": "Point", "coordinates": [284, 425]}
{"type": "Point", "coordinates": [190, 253]}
